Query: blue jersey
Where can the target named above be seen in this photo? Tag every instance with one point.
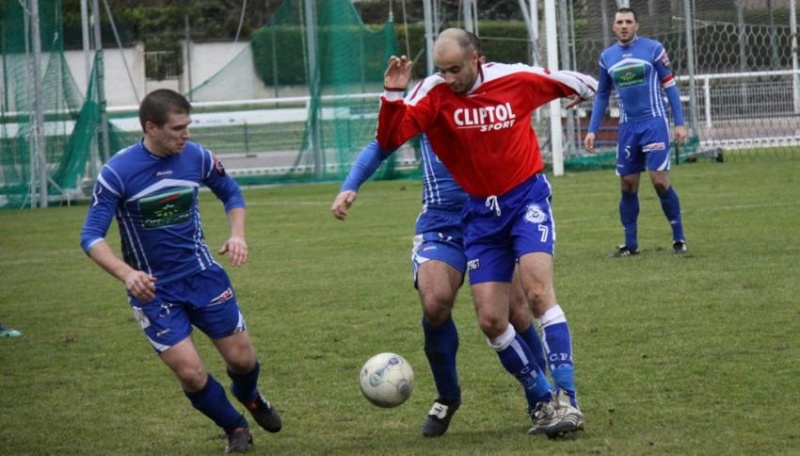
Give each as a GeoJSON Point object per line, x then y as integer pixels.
{"type": "Point", "coordinates": [154, 200]}
{"type": "Point", "coordinates": [638, 72]}
{"type": "Point", "coordinates": [439, 190]}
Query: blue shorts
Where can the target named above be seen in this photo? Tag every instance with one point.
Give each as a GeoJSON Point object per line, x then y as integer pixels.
{"type": "Point", "coordinates": [442, 240]}
{"type": "Point", "coordinates": [205, 300]}
{"type": "Point", "coordinates": [499, 230]}
{"type": "Point", "coordinates": [643, 143]}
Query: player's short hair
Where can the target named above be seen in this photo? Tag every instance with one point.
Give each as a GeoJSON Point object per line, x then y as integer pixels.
{"type": "Point", "coordinates": [159, 104]}
{"type": "Point", "coordinates": [475, 41]}
{"type": "Point", "coordinates": [627, 10]}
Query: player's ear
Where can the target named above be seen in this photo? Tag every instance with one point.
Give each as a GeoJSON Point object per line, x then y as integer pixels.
{"type": "Point", "coordinates": [149, 127]}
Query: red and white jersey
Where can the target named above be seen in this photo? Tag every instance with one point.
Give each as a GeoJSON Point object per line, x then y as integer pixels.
{"type": "Point", "coordinates": [483, 136]}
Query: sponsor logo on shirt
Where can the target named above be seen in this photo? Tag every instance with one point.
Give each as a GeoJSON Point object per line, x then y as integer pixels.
{"type": "Point", "coordinates": [166, 172]}
{"type": "Point", "coordinates": [628, 76]}
{"type": "Point", "coordinates": [172, 207]}
{"type": "Point", "coordinates": [486, 118]}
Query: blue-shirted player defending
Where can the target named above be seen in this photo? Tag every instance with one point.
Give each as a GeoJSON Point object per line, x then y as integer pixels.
{"type": "Point", "coordinates": [439, 266]}
{"type": "Point", "coordinates": [638, 69]}
{"type": "Point", "coordinates": [172, 280]}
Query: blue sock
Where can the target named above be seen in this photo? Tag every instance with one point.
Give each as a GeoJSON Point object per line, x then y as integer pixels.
{"type": "Point", "coordinates": [628, 213]}
{"type": "Point", "coordinates": [517, 358]}
{"type": "Point", "coordinates": [671, 206]}
{"type": "Point", "coordinates": [531, 337]}
{"type": "Point", "coordinates": [213, 403]}
{"type": "Point", "coordinates": [441, 345]}
{"type": "Point", "coordinates": [558, 343]}
{"type": "Point", "coordinates": [244, 386]}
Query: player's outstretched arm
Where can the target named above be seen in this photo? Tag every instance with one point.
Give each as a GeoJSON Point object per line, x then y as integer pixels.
{"type": "Point", "coordinates": [366, 163]}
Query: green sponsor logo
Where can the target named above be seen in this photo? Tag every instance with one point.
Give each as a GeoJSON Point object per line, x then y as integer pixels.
{"type": "Point", "coordinates": [169, 208]}
{"type": "Point", "coordinates": [628, 76]}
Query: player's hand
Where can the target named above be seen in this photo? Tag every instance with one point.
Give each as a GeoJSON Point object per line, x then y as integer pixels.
{"type": "Point", "coordinates": [236, 248]}
{"type": "Point", "coordinates": [574, 100]}
{"type": "Point", "coordinates": [398, 73]}
{"type": "Point", "coordinates": [141, 285]}
{"type": "Point", "coordinates": [342, 203]}
{"type": "Point", "coordinates": [681, 133]}
{"type": "Point", "coordinates": [588, 142]}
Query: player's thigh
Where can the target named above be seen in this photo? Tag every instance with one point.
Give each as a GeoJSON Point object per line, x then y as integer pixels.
{"type": "Point", "coordinates": [491, 306]}
{"type": "Point", "coordinates": [438, 264]}
{"type": "Point", "coordinates": [184, 361]}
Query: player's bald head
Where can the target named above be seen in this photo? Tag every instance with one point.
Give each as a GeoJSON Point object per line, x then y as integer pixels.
{"type": "Point", "coordinates": [453, 41]}
{"type": "Point", "coordinates": [456, 56]}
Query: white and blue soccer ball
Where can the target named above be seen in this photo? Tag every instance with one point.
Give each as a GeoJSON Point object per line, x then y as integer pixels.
{"type": "Point", "coordinates": [387, 380]}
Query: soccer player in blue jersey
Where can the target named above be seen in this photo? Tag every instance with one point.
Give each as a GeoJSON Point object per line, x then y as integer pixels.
{"type": "Point", "coordinates": [440, 265]}
{"type": "Point", "coordinates": [638, 69]}
{"type": "Point", "coordinates": [172, 280]}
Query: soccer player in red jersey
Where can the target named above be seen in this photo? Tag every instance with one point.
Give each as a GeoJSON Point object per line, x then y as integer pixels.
{"type": "Point", "coordinates": [478, 119]}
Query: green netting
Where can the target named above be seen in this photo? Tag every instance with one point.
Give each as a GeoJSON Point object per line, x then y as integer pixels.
{"type": "Point", "coordinates": [61, 159]}
{"type": "Point", "coordinates": [327, 74]}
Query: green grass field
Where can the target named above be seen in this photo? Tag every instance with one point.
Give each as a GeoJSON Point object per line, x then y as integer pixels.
{"type": "Point", "coordinates": [674, 355]}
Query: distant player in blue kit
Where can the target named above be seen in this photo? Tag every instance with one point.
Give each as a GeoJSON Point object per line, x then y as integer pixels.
{"type": "Point", "coordinates": [638, 69]}
{"type": "Point", "coordinates": [172, 280]}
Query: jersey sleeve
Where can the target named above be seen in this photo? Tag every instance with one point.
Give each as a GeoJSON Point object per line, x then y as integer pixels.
{"type": "Point", "coordinates": [604, 86]}
{"type": "Point", "coordinates": [547, 85]}
{"type": "Point", "coordinates": [401, 119]}
{"type": "Point", "coordinates": [365, 165]}
{"type": "Point", "coordinates": [223, 185]}
{"type": "Point", "coordinates": [106, 193]}
{"type": "Point", "coordinates": [668, 83]}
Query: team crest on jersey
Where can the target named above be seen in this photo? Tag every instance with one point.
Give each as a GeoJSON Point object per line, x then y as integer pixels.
{"type": "Point", "coordinates": [218, 166]}
{"type": "Point", "coordinates": [665, 58]}
{"type": "Point", "coordinates": [535, 214]}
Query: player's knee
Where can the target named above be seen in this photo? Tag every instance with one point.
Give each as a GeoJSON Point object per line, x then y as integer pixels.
{"type": "Point", "coordinates": [437, 311]}
{"type": "Point", "coordinates": [492, 325]}
{"type": "Point", "coordinates": [192, 377]}
{"type": "Point", "coordinates": [661, 187]}
{"type": "Point", "coordinates": [437, 304]}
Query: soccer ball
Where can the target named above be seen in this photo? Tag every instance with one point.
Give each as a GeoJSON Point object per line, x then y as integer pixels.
{"type": "Point", "coordinates": [387, 380]}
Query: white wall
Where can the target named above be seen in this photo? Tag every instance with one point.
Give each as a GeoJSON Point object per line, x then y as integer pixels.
{"type": "Point", "coordinates": [125, 83]}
